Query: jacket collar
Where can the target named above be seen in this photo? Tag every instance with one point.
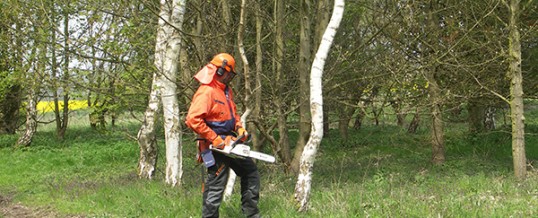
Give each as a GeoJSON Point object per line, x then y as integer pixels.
{"type": "Point", "coordinates": [219, 85]}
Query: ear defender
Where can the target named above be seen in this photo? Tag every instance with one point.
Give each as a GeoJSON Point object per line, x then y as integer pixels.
{"type": "Point", "coordinates": [221, 70]}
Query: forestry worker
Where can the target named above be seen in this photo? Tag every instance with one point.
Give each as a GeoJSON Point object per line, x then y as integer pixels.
{"type": "Point", "coordinates": [213, 116]}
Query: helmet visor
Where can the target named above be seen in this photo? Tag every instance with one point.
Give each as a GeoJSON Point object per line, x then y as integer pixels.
{"type": "Point", "coordinates": [227, 77]}
{"type": "Point", "coordinates": [232, 74]}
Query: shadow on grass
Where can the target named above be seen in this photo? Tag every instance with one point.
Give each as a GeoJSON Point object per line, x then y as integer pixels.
{"type": "Point", "coordinates": [373, 151]}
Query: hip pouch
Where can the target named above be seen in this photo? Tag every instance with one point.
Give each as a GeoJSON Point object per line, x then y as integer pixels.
{"type": "Point", "coordinates": [208, 159]}
{"type": "Point", "coordinates": [204, 155]}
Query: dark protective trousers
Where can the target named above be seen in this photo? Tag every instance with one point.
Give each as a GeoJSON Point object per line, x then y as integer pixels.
{"type": "Point", "coordinates": [217, 176]}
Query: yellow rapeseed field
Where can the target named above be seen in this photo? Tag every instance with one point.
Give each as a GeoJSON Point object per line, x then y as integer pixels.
{"type": "Point", "coordinates": [48, 106]}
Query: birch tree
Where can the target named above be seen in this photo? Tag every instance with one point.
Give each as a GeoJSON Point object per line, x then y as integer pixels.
{"type": "Point", "coordinates": [32, 77]}
{"type": "Point", "coordinates": [304, 181]}
{"type": "Point", "coordinates": [31, 66]}
{"type": "Point", "coordinates": [167, 50]}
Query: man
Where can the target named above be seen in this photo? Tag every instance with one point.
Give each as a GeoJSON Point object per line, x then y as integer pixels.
{"type": "Point", "coordinates": [212, 115]}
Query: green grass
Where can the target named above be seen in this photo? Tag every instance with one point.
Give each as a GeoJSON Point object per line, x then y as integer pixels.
{"type": "Point", "coordinates": [380, 171]}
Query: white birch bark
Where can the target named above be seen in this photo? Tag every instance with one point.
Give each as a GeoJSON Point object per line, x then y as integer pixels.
{"type": "Point", "coordinates": [146, 135]}
{"type": "Point", "coordinates": [32, 76]}
{"type": "Point", "coordinates": [31, 115]}
{"type": "Point", "coordinates": [304, 181]}
{"type": "Point", "coordinates": [167, 50]}
{"type": "Point", "coordinates": [168, 65]}
{"type": "Point", "coordinates": [232, 176]}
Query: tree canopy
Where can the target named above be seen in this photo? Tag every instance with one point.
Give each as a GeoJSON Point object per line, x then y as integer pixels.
{"type": "Point", "coordinates": [385, 59]}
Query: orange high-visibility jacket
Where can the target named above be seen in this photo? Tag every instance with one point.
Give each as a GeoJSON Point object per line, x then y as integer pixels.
{"type": "Point", "coordinates": [213, 111]}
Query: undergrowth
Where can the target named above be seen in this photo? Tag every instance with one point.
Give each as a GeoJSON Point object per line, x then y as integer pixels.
{"type": "Point", "coordinates": [379, 171]}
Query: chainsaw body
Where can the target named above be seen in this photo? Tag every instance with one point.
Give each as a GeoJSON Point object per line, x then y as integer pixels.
{"type": "Point", "coordinates": [241, 151]}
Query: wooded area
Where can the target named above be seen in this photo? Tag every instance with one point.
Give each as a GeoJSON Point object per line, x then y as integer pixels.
{"type": "Point", "coordinates": [447, 61]}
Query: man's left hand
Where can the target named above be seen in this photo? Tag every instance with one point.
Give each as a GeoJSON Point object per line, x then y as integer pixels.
{"type": "Point", "coordinates": [242, 132]}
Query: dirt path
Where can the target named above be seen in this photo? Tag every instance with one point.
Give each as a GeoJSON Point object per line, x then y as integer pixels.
{"type": "Point", "coordinates": [10, 209]}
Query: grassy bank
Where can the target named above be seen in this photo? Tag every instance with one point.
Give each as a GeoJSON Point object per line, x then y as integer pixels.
{"type": "Point", "coordinates": [380, 171]}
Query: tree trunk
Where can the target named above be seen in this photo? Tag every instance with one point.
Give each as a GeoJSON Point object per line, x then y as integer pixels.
{"type": "Point", "coordinates": [344, 113]}
{"type": "Point", "coordinates": [413, 125]}
{"type": "Point", "coordinates": [61, 114]}
{"type": "Point", "coordinates": [98, 106]}
{"type": "Point", "coordinates": [283, 140]}
{"type": "Point", "coordinates": [167, 50]}
{"type": "Point", "coordinates": [186, 75]}
{"type": "Point", "coordinates": [65, 77]}
{"type": "Point", "coordinates": [516, 94]}
{"type": "Point", "coordinates": [258, 77]}
{"type": "Point", "coordinates": [360, 115]}
{"type": "Point", "coordinates": [93, 117]}
{"type": "Point", "coordinates": [283, 148]}
{"type": "Point", "coordinates": [398, 111]}
{"type": "Point", "coordinates": [168, 65]}
{"type": "Point", "coordinates": [226, 44]}
{"type": "Point", "coordinates": [246, 75]}
{"type": "Point", "coordinates": [476, 112]}
{"type": "Point", "coordinates": [31, 112]}
{"type": "Point", "coordinates": [33, 85]}
{"type": "Point", "coordinates": [304, 181]}
{"type": "Point", "coordinates": [9, 109]}
{"type": "Point", "coordinates": [437, 131]}
{"type": "Point", "coordinates": [147, 140]}
{"type": "Point", "coordinates": [304, 62]}
{"type": "Point", "coordinates": [434, 91]}
{"type": "Point", "coordinates": [54, 69]}
{"type": "Point", "coordinates": [322, 19]}
{"type": "Point", "coordinates": [185, 59]}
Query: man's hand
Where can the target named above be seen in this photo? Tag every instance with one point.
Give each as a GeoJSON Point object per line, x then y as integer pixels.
{"type": "Point", "coordinates": [242, 132]}
{"type": "Point", "coordinates": [221, 143]}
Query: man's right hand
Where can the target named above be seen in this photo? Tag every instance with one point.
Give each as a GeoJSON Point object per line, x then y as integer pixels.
{"type": "Point", "coordinates": [221, 143]}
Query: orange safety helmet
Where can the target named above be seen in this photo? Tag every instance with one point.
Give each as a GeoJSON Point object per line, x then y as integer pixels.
{"type": "Point", "coordinates": [224, 60]}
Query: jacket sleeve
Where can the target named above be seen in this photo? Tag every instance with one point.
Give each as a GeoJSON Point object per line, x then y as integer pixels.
{"type": "Point", "coordinates": [198, 110]}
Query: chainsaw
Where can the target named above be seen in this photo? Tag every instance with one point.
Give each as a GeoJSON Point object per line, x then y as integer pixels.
{"type": "Point", "coordinates": [236, 150]}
